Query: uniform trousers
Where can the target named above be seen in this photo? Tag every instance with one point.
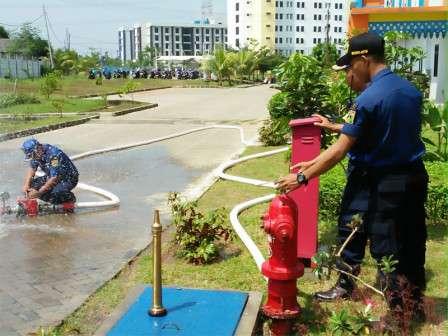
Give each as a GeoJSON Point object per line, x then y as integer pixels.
{"type": "Point", "coordinates": [61, 191]}
{"type": "Point", "coordinates": [391, 201]}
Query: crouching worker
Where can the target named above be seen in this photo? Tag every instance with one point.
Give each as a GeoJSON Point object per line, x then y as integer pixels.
{"type": "Point", "coordinates": [61, 175]}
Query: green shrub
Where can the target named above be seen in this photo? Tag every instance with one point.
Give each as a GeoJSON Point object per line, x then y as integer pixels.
{"type": "Point", "coordinates": [331, 189]}
{"type": "Point", "coordinates": [50, 84]}
{"type": "Point", "coordinates": [196, 233]}
{"type": "Point", "coordinates": [18, 98]}
{"type": "Point", "coordinates": [436, 206]}
{"type": "Point", "coordinates": [275, 132]}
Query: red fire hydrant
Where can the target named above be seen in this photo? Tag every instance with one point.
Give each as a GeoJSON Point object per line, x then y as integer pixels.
{"type": "Point", "coordinates": [282, 268]}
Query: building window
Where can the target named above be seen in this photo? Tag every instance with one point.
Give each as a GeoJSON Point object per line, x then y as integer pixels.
{"type": "Point", "coordinates": [237, 30]}
{"type": "Point", "coordinates": [436, 61]}
{"type": "Point", "coordinates": [237, 6]}
{"type": "Point", "coordinates": [237, 18]}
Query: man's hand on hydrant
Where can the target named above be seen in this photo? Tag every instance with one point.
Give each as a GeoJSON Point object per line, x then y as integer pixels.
{"type": "Point", "coordinates": [287, 183]}
{"type": "Point", "coordinates": [32, 193]}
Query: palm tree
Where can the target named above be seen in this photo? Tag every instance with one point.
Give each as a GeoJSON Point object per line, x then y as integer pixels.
{"type": "Point", "coordinates": [245, 63]}
{"type": "Point", "coordinates": [219, 63]}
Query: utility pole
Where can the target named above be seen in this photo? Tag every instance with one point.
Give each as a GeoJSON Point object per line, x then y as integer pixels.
{"type": "Point", "coordinates": [48, 37]}
{"type": "Point", "coordinates": [68, 39]}
{"type": "Point", "coordinates": [327, 42]}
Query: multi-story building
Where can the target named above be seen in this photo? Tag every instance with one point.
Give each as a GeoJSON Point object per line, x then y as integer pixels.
{"type": "Point", "coordinates": [425, 20]}
{"type": "Point", "coordinates": [251, 20]}
{"type": "Point", "coordinates": [286, 26]}
{"type": "Point", "coordinates": [194, 39]}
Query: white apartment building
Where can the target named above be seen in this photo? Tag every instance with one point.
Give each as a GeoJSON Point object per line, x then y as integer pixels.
{"type": "Point", "coordinates": [194, 39]}
{"type": "Point", "coordinates": [296, 26]}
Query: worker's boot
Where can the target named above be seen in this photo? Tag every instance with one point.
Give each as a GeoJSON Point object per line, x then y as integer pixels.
{"type": "Point", "coordinates": [341, 290]}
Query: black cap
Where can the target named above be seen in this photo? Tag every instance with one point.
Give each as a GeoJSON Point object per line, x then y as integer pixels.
{"type": "Point", "coordinates": [363, 44]}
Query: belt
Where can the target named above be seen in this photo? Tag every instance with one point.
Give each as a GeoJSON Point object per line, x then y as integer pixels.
{"type": "Point", "coordinates": [409, 167]}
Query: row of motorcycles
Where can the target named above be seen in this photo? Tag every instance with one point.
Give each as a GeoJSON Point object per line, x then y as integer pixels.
{"type": "Point", "coordinates": [139, 73]}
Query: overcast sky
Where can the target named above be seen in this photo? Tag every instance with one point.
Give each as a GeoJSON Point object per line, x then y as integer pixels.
{"type": "Point", "coordinates": [95, 23]}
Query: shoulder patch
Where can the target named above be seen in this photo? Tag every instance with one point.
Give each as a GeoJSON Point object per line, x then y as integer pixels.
{"type": "Point", "coordinates": [350, 116]}
{"type": "Point", "coordinates": [354, 105]}
{"type": "Point", "coordinates": [54, 161]}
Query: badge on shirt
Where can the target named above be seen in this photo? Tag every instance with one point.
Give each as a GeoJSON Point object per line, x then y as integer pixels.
{"type": "Point", "coordinates": [350, 116]}
{"type": "Point", "coordinates": [54, 161]}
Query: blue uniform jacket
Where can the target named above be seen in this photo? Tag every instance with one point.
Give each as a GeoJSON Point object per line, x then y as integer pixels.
{"type": "Point", "coordinates": [386, 119]}
{"type": "Point", "coordinates": [55, 162]}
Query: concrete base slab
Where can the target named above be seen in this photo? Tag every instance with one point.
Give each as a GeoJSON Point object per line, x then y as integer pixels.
{"type": "Point", "coordinates": [190, 312]}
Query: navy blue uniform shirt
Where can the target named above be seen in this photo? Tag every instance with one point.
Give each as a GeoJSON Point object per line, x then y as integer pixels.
{"type": "Point", "coordinates": [55, 162]}
{"type": "Point", "coordinates": [386, 120]}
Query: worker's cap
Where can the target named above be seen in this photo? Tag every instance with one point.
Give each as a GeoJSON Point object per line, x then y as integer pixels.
{"type": "Point", "coordinates": [28, 148]}
{"type": "Point", "coordinates": [363, 44]}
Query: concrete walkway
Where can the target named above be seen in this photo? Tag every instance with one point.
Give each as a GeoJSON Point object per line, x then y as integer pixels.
{"type": "Point", "coordinates": [51, 264]}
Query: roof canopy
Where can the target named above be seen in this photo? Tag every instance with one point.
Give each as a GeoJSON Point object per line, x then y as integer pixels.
{"type": "Point", "coordinates": [180, 58]}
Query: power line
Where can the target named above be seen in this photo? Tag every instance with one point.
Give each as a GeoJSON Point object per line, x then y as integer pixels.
{"type": "Point", "coordinates": [20, 25]}
{"type": "Point", "coordinates": [49, 22]}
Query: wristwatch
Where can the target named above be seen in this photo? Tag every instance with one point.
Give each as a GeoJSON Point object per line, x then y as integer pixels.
{"type": "Point", "coordinates": [302, 179]}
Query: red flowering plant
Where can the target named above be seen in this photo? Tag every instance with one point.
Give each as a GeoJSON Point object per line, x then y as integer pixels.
{"type": "Point", "coordinates": [363, 319]}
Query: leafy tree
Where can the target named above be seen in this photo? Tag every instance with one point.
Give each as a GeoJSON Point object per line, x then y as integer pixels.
{"type": "Point", "coordinates": [267, 59]}
{"type": "Point", "coordinates": [245, 63]}
{"type": "Point", "coordinates": [3, 32]}
{"type": "Point", "coordinates": [320, 51]}
{"type": "Point", "coordinates": [302, 85]}
{"type": "Point", "coordinates": [50, 84]}
{"type": "Point", "coordinates": [403, 61]}
{"type": "Point", "coordinates": [90, 62]}
{"type": "Point", "coordinates": [27, 41]}
{"type": "Point", "coordinates": [152, 53]}
{"type": "Point", "coordinates": [112, 62]}
{"type": "Point", "coordinates": [219, 64]}
{"type": "Point", "coordinates": [66, 61]}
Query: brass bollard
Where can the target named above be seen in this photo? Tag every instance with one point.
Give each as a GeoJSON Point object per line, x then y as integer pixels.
{"type": "Point", "coordinates": [157, 308]}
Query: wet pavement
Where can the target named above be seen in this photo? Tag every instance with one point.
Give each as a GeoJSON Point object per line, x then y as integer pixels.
{"type": "Point", "coordinates": [50, 264]}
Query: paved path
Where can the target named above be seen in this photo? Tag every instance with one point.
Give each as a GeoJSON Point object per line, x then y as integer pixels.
{"type": "Point", "coordinates": [49, 265]}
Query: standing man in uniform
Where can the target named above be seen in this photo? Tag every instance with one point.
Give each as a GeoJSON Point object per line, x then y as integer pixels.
{"type": "Point", "coordinates": [61, 175]}
{"type": "Point", "coordinates": [386, 178]}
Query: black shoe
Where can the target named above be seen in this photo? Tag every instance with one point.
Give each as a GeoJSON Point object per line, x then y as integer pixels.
{"type": "Point", "coordinates": [341, 290]}
{"type": "Point", "coordinates": [70, 198]}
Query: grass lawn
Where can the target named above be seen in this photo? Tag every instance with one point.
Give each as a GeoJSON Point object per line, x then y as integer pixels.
{"type": "Point", "coordinates": [236, 269]}
{"type": "Point", "coordinates": [20, 117]}
{"type": "Point", "coordinates": [79, 86]}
